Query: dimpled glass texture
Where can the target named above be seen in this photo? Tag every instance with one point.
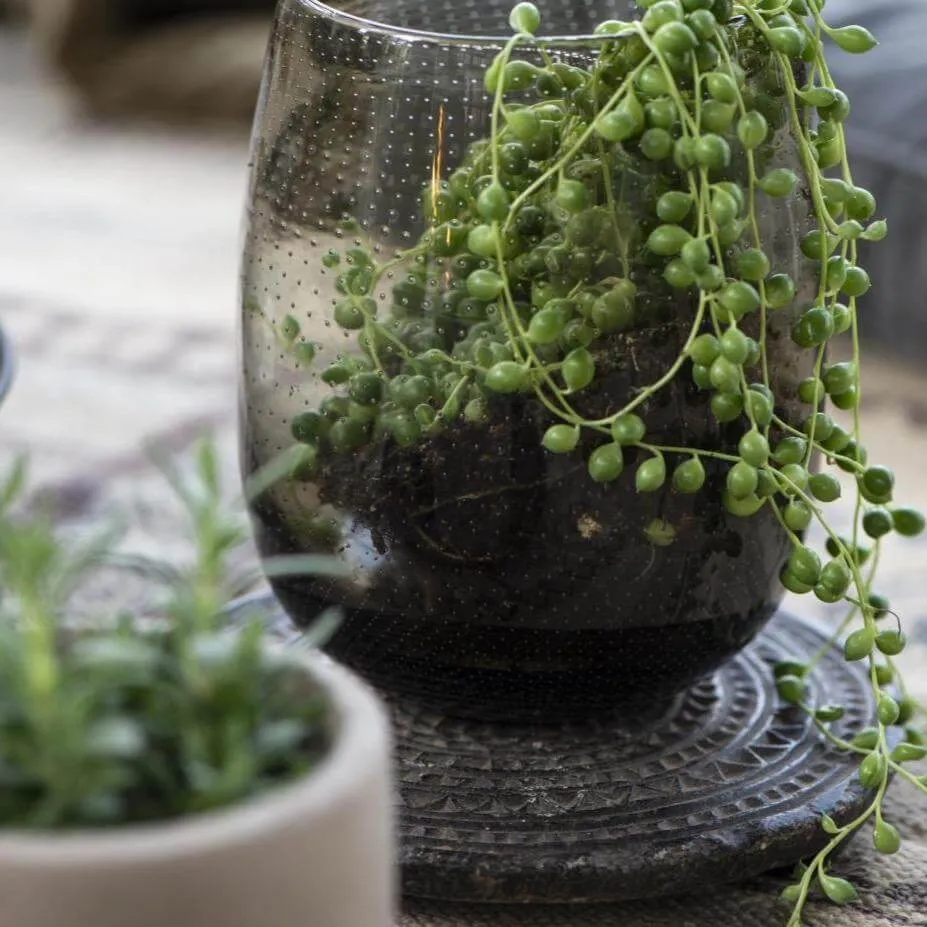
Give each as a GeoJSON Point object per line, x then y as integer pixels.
{"type": "Point", "coordinates": [482, 574]}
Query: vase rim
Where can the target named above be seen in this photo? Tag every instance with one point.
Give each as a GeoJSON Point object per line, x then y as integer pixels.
{"type": "Point", "coordinates": [362, 24]}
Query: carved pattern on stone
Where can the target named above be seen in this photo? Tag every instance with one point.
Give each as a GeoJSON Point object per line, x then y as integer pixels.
{"type": "Point", "coordinates": [724, 758]}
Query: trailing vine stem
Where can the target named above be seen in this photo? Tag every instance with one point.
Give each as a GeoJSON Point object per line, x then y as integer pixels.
{"type": "Point", "coordinates": [635, 184]}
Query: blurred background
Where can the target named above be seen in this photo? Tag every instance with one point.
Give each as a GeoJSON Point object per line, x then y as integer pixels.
{"type": "Point", "coordinates": [123, 150]}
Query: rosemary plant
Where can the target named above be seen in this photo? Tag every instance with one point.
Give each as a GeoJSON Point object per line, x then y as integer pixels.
{"type": "Point", "coordinates": [126, 722]}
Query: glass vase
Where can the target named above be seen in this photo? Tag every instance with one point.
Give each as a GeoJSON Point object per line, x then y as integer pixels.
{"type": "Point", "coordinates": [481, 573]}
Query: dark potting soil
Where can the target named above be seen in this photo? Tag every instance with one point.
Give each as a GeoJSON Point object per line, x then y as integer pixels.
{"type": "Point", "coordinates": [491, 576]}
{"type": "Point", "coordinates": [495, 579]}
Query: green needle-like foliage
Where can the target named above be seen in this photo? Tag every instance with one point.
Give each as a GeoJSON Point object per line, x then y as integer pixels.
{"type": "Point", "coordinates": [126, 722]}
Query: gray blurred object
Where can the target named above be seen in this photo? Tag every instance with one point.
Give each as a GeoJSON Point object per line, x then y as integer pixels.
{"type": "Point", "coordinates": [170, 60]}
{"type": "Point", "coordinates": [887, 137]}
{"type": "Point", "coordinates": [6, 365]}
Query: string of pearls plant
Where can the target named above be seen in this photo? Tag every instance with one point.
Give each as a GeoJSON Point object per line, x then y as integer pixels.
{"type": "Point", "coordinates": [531, 262]}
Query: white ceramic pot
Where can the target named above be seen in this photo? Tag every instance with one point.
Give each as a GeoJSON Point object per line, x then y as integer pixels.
{"type": "Point", "coordinates": [317, 853]}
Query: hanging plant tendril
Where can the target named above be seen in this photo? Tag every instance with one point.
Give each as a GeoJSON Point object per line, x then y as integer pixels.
{"type": "Point", "coordinates": [654, 159]}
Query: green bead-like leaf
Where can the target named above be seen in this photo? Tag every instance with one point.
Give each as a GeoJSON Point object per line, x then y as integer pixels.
{"type": "Point", "coordinates": [793, 584]}
{"type": "Point", "coordinates": [525, 17]}
{"type": "Point", "coordinates": [891, 642]}
{"type": "Point", "coordinates": [805, 564]}
{"type": "Point", "coordinates": [830, 713]}
{"type": "Point", "coordinates": [908, 522]}
{"type": "Point", "coordinates": [689, 476]}
{"type": "Point", "coordinates": [854, 39]}
{"type": "Point", "coordinates": [790, 668]}
{"type": "Point", "coordinates": [561, 439]}
{"type": "Point", "coordinates": [578, 369]}
{"type": "Point", "coordinates": [872, 770]}
{"type": "Point", "coordinates": [909, 753]}
{"type": "Point", "coordinates": [791, 893]}
{"type": "Point", "coordinates": [660, 533]}
{"type": "Point", "coordinates": [886, 838]}
{"type": "Point", "coordinates": [625, 121]}
{"type": "Point", "coordinates": [606, 463]}
{"type": "Point", "coordinates": [674, 206]}
{"type": "Point", "coordinates": [668, 240]}
{"type": "Point", "coordinates": [791, 689]}
{"type": "Point", "coordinates": [752, 130]}
{"type": "Point", "coordinates": [839, 891]}
{"type": "Point", "coordinates": [787, 40]}
{"type": "Point", "coordinates": [859, 644]}
{"type": "Point", "coordinates": [506, 377]}
{"type": "Point", "coordinates": [797, 515]}
{"type": "Point", "coordinates": [866, 739]}
{"type": "Point", "coordinates": [651, 475]}
{"type": "Point", "coordinates": [628, 429]}
{"type": "Point", "coordinates": [888, 709]}
{"type": "Point", "coordinates": [877, 231]}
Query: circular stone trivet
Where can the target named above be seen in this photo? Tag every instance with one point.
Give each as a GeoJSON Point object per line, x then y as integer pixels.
{"type": "Point", "coordinates": [723, 785]}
